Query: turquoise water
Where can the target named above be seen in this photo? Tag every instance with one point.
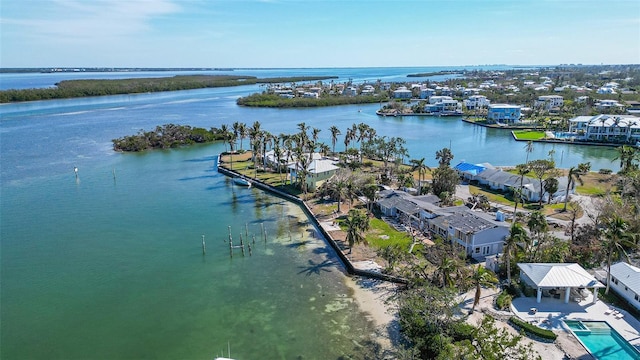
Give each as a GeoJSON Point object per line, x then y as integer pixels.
{"type": "Point", "coordinates": [112, 269]}
{"type": "Point", "coordinates": [603, 342]}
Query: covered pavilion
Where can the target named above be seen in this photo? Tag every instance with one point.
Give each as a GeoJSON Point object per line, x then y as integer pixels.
{"type": "Point", "coordinates": [552, 279]}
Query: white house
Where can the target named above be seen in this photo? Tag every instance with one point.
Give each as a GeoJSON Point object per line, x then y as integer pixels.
{"type": "Point", "coordinates": [504, 113]}
{"type": "Point", "coordinates": [605, 105]}
{"type": "Point", "coordinates": [318, 172]}
{"type": "Point", "coordinates": [476, 102]}
{"type": "Point", "coordinates": [402, 93]}
{"type": "Point", "coordinates": [426, 93]}
{"type": "Point", "coordinates": [625, 281]}
{"type": "Point", "coordinates": [625, 128]}
{"type": "Point", "coordinates": [548, 102]}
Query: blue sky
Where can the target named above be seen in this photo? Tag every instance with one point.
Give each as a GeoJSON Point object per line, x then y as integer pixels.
{"type": "Point", "coordinates": [316, 33]}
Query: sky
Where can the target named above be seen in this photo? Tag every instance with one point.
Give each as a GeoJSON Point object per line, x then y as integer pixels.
{"type": "Point", "coordinates": [316, 33]}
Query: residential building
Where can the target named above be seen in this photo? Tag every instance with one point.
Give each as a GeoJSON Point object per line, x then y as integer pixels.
{"type": "Point", "coordinates": [548, 102]}
{"type": "Point", "coordinates": [607, 105]}
{"type": "Point", "coordinates": [625, 281]}
{"type": "Point", "coordinates": [607, 128]}
{"type": "Point", "coordinates": [402, 93]}
{"type": "Point", "coordinates": [504, 113]}
{"type": "Point", "coordinates": [318, 172]}
{"type": "Point", "coordinates": [426, 93]}
{"type": "Point", "coordinates": [479, 234]}
{"type": "Point", "coordinates": [532, 189]}
{"type": "Point", "coordinates": [474, 102]}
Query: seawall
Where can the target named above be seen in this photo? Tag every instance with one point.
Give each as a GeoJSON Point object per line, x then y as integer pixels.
{"type": "Point", "coordinates": [296, 200]}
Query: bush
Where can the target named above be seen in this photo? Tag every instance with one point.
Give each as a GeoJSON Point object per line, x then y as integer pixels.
{"type": "Point", "coordinates": [532, 329]}
{"type": "Point", "coordinates": [461, 331]}
{"type": "Point", "coordinates": [503, 301]}
{"type": "Point", "coordinates": [605, 171]}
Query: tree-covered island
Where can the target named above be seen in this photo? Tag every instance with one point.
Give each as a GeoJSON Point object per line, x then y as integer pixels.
{"type": "Point", "coordinates": [100, 87]}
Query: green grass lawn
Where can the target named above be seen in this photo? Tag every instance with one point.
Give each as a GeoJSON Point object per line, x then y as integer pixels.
{"type": "Point", "coordinates": [528, 135]}
{"type": "Point", "coordinates": [376, 236]}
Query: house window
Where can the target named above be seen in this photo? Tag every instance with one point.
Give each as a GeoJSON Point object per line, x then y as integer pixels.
{"type": "Point", "coordinates": [637, 297]}
{"type": "Point", "coordinates": [485, 250]}
{"type": "Point", "coordinates": [477, 250]}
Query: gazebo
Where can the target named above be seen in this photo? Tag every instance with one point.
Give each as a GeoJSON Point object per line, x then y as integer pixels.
{"type": "Point", "coordinates": [552, 277]}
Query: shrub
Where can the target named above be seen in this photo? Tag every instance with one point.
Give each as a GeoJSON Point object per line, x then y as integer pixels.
{"type": "Point", "coordinates": [461, 331]}
{"type": "Point", "coordinates": [605, 171]}
{"type": "Point", "coordinates": [503, 301]}
{"type": "Point", "coordinates": [530, 329]}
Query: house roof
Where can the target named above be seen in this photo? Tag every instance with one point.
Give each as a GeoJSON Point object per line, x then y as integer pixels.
{"type": "Point", "coordinates": [464, 221]}
{"type": "Point", "coordinates": [628, 275]}
{"type": "Point", "coordinates": [551, 275]}
{"type": "Point", "coordinates": [468, 168]}
{"type": "Point", "coordinates": [321, 166]}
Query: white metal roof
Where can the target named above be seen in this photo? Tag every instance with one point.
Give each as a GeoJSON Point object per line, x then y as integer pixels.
{"type": "Point", "coordinates": [628, 275]}
{"type": "Point", "coordinates": [551, 275]}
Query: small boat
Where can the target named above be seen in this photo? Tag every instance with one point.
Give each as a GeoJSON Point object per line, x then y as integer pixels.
{"type": "Point", "coordinates": [242, 181]}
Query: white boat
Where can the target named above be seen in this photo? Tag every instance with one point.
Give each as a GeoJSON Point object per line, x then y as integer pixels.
{"type": "Point", "coordinates": [242, 181]}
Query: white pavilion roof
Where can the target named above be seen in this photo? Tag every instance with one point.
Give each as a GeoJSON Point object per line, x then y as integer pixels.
{"type": "Point", "coordinates": [551, 275]}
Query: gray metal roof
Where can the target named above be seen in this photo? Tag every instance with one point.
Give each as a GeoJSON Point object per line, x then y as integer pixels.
{"type": "Point", "coordinates": [552, 275]}
{"type": "Point", "coordinates": [628, 275]}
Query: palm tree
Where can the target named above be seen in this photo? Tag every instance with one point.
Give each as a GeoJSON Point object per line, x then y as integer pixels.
{"type": "Point", "coordinates": [481, 277]}
{"type": "Point", "coordinates": [242, 132]}
{"type": "Point", "coordinates": [277, 153]}
{"type": "Point", "coordinates": [573, 176]}
{"type": "Point", "coordinates": [334, 137]}
{"type": "Point", "coordinates": [224, 129]}
{"type": "Point", "coordinates": [538, 226]}
{"type": "Point", "coordinates": [627, 155]}
{"type": "Point", "coordinates": [529, 149]}
{"type": "Point", "coordinates": [418, 164]}
{"type": "Point", "coordinates": [357, 223]}
{"type": "Point", "coordinates": [444, 156]}
{"type": "Point", "coordinates": [323, 148]}
{"type": "Point", "coordinates": [616, 240]}
{"type": "Point", "coordinates": [516, 239]}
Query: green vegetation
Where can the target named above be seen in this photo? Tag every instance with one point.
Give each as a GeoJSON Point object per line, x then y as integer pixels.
{"type": "Point", "coordinates": [435, 73]}
{"type": "Point", "coordinates": [381, 234]}
{"type": "Point", "coordinates": [166, 136]}
{"type": "Point", "coordinates": [532, 329]}
{"type": "Point", "coordinates": [528, 135]}
{"type": "Point", "coordinates": [503, 301]}
{"type": "Point", "coordinates": [276, 101]}
{"type": "Point", "coordinates": [93, 87]}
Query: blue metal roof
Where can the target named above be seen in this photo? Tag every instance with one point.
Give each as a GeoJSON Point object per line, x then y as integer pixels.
{"type": "Point", "coordinates": [470, 168]}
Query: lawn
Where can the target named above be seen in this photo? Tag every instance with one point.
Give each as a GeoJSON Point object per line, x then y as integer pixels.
{"type": "Point", "coordinates": [380, 230]}
{"type": "Point", "coordinates": [528, 135]}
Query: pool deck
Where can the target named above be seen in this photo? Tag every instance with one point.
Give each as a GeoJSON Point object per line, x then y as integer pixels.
{"type": "Point", "coordinates": [550, 314]}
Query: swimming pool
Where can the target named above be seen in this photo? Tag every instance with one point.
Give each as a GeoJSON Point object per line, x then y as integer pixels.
{"type": "Point", "coordinates": [602, 341]}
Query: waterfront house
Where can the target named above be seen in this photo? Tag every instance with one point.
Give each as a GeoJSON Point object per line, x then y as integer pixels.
{"type": "Point", "coordinates": [319, 171]}
{"type": "Point", "coordinates": [532, 189]}
{"type": "Point", "coordinates": [607, 128]}
{"type": "Point", "coordinates": [478, 234]}
{"type": "Point", "coordinates": [474, 102]}
{"type": "Point", "coordinates": [469, 171]}
{"type": "Point", "coordinates": [402, 93]}
{"type": "Point", "coordinates": [350, 91]}
{"type": "Point", "coordinates": [559, 280]}
{"type": "Point", "coordinates": [368, 90]}
{"type": "Point", "coordinates": [548, 102]}
{"type": "Point", "coordinates": [504, 113]}
{"type": "Point", "coordinates": [625, 281]}
{"type": "Point", "coordinates": [444, 107]}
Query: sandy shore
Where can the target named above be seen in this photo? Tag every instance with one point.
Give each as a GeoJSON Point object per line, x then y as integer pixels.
{"type": "Point", "coordinates": [372, 297]}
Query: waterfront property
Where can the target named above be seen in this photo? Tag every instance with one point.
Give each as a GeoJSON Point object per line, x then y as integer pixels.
{"type": "Point", "coordinates": [601, 340]}
{"type": "Point", "coordinates": [625, 281]}
{"type": "Point", "coordinates": [402, 93]}
{"type": "Point", "coordinates": [559, 280]}
{"type": "Point", "coordinates": [532, 189]}
{"type": "Point", "coordinates": [478, 234]}
{"type": "Point", "coordinates": [504, 113]}
{"type": "Point", "coordinates": [606, 128]}
{"type": "Point", "coordinates": [318, 172]}
{"type": "Point", "coordinates": [443, 105]}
